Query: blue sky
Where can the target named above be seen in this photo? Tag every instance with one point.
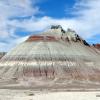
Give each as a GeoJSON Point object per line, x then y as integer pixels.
{"type": "Point", "coordinates": [57, 9]}
{"type": "Point", "coordinates": [21, 18]}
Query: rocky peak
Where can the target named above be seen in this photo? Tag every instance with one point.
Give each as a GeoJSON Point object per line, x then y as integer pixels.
{"type": "Point", "coordinates": [56, 32]}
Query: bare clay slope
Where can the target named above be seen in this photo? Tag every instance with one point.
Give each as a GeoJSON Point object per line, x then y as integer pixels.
{"type": "Point", "coordinates": [53, 57]}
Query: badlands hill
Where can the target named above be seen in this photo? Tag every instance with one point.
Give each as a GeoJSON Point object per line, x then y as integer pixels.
{"type": "Point", "coordinates": [54, 58]}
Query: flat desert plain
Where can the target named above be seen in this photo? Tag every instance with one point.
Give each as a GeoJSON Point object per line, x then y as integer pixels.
{"type": "Point", "coordinates": [8, 94]}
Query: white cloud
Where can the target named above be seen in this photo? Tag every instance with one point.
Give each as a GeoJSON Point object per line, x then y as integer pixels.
{"type": "Point", "coordinates": [10, 9]}
{"type": "Point", "coordinates": [17, 8]}
{"type": "Point", "coordinates": [86, 23]}
{"type": "Point", "coordinates": [14, 8]}
{"type": "Point", "coordinates": [6, 46]}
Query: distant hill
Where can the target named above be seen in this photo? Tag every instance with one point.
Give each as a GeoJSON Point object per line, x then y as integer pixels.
{"type": "Point", "coordinates": [2, 54]}
{"type": "Point", "coordinates": [97, 46]}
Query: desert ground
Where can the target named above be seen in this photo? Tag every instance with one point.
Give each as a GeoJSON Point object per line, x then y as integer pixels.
{"type": "Point", "coordinates": [48, 92]}
{"type": "Point", "coordinates": [8, 94]}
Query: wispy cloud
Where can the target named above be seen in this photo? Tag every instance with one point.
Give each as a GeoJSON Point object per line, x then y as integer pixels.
{"type": "Point", "coordinates": [10, 9]}
{"type": "Point", "coordinates": [86, 22]}
{"type": "Point", "coordinates": [9, 43]}
{"type": "Point", "coordinates": [13, 8]}
{"type": "Point", "coordinates": [88, 18]}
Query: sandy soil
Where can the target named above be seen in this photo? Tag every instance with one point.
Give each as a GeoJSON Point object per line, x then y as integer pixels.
{"type": "Point", "coordinates": [6, 94]}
